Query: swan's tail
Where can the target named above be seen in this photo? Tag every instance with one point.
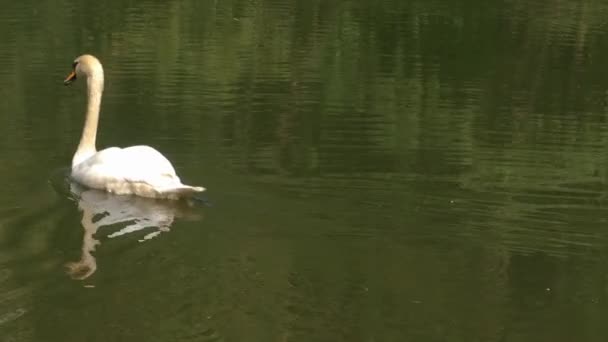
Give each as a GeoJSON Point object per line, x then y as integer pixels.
{"type": "Point", "coordinates": [182, 191]}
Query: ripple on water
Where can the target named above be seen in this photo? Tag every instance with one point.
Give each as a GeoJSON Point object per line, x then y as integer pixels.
{"type": "Point", "coordinates": [14, 300]}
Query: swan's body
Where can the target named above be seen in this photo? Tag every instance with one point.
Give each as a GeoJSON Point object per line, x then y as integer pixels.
{"type": "Point", "coordinates": [136, 170]}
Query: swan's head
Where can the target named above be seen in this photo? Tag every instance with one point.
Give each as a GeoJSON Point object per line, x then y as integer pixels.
{"type": "Point", "coordinates": [84, 66]}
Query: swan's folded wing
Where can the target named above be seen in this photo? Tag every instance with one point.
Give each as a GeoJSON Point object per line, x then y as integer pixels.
{"type": "Point", "coordinates": [134, 170]}
{"type": "Point", "coordinates": [153, 169]}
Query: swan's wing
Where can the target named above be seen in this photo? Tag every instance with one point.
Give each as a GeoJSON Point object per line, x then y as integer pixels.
{"type": "Point", "coordinates": [147, 165]}
{"type": "Point", "coordinates": [133, 170]}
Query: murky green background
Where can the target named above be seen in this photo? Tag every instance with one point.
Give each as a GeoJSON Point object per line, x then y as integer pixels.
{"type": "Point", "coordinates": [376, 171]}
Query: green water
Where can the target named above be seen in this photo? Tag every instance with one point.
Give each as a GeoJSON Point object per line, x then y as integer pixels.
{"type": "Point", "coordinates": [376, 171]}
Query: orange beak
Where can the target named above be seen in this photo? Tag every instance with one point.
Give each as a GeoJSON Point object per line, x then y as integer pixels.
{"type": "Point", "coordinates": [71, 78]}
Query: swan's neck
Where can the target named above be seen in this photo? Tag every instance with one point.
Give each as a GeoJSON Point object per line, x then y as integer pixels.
{"type": "Point", "coordinates": [86, 147]}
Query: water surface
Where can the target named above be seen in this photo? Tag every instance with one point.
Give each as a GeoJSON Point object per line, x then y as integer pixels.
{"type": "Point", "coordinates": [376, 171]}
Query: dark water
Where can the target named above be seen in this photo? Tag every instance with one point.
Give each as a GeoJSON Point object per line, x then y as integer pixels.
{"type": "Point", "coordinates": [376, 171]}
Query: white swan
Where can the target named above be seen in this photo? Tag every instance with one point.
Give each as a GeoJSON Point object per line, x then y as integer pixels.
{"type": "Point", "coordinates": [136, 170]}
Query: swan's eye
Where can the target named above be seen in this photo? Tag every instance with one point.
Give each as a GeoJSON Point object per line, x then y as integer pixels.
{"type": "Point", "coordinates": [74, 65]}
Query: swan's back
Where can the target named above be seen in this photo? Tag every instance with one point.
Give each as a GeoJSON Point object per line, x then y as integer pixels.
{"type": "Point", "coordinates": [139, 170]}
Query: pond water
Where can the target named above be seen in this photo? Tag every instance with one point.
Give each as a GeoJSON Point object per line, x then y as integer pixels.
{"type": "Point", "coordinates": [376, 171]}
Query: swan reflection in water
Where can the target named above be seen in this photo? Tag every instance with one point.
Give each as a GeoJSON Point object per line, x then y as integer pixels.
{"type": "Point", "coordinates": [127, 213]}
